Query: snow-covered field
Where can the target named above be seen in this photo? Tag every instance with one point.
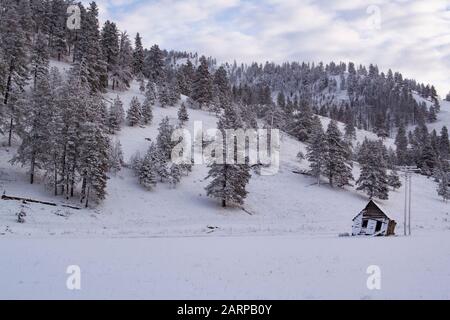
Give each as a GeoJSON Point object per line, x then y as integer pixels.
{"type": "Point", "coordinates": [263, 267]}
{"type": "Point", "coordinates": [178, 243]}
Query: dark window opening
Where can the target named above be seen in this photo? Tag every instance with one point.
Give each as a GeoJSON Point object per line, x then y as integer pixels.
{"type": "Point", "coordinates": [364, 224]}
{"type": "Point", "coordinates": [378, 227]}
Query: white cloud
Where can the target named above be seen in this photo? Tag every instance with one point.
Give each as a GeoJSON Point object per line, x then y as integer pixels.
{"type": "Point", "coordinates": [413, 36]}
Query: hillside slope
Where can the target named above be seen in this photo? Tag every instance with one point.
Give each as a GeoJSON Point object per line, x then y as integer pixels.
{"type": "Point", "coordinates": [279, 204]}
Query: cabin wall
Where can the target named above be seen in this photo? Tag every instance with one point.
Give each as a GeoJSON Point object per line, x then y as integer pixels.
{"type": "Point", "coordinates": [357, 228]}
{"type": "Point", "coordinates": [357, 225]}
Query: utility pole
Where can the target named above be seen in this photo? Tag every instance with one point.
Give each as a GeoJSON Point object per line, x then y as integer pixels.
{"type": "Point", "coordinates": [408, 171]}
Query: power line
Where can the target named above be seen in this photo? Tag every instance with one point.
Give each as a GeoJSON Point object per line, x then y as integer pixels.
{"type": "Point", "coordinates": [408, 171]}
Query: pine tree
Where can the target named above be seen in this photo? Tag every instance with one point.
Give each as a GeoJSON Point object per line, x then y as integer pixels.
{"type": "Point", "coordinates": [121, 74]}
{"type": "Point", "coordinates": [110, 44]}
{"type": "Point", "coordinates": [183, 116]}
{"type": "Point", "coordinates": [162, 168]}
{"type": "Point", "coordinates": [443, 190]}
{"type": "Point", "coordinates": [14, 47]}
{"type": "Point", "coordinates": [147, 173]}
{"type": "Point", "coordinates": [138, 56]}
{"type": "Point", "coordinates": [174, 175]}
{"type": "Point", "coordinates": [39, 58]}
{"type": "Point", "coordinates": [115, 157]}
{"type": "Point", "coordinates": [432, 114]}
{"type": "Point", "coordinates": [57, 28]}
{"type": "Point", "coordinates": [401, 143]}
{"type": "Point", "coordinates": [93, 162]}
{"type": "Point", "coordinates": [147, 111]}
{"type": "Point", "coordinates": [185, 77]}
{"type": "Point", "coordinates": [228, 179]}
{"type": "Point", "coordinates": [136, 163]}
{"type": "Point", "coordinates": [301, 126]}
{"type": "Point", "coordinates": [221, 82]}
{"type": "Point", "coordinates": [35, 134]}
{"type": "Point", "coordinates": [394, 180]}
{"type": "Point", "coordinates": [164, 95]}
{"type": "Point", "coordinates": [338, 165]}
{"type": "Point", "coordinates": [350, 131]}
{"type": "Point", "coordinates": [154, 65]}
{"type": "Point", "coordinates": [316, 150]}
{"type": "Point", "coordinates": [150, 93]}
{"type": "Point", "coordinates": [444, 144]}
{"type": "Point", "coordinates": [164, 139]}
{"type": "Point", "coordinates": [116, 115]}
{"type": "Point", "coordinates": [134, 113]}
{"type": "Point", "coordinates": [141, 80]}
{"type": "Point", "coordinates": [373, 178]}
{"type": "Point", "coordinates": [202, 85]}
{"type": "Point", "coordinates": [88, 49]}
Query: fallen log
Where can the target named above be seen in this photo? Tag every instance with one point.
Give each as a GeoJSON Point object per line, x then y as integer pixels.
{"type": "Point", "coordinates": [5, 197]}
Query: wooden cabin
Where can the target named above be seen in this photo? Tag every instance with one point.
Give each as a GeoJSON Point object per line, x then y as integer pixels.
{"type": "Point", "coordinates": [373, 221]}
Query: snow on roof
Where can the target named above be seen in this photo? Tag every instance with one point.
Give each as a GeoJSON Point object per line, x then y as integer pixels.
{"type": "Point", "coordinates": [373, 210]}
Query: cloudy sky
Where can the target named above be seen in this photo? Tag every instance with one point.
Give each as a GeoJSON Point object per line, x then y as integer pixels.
{"type": "Point", "coordinates": [411, 36]}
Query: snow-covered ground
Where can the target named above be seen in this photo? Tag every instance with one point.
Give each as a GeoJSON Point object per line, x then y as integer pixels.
{"type": "Point", "coordinates": [266, 267]}
{"type": "Point", "coordinates": [178, 243]}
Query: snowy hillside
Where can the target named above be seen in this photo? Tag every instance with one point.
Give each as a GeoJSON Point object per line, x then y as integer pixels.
{"type": "Point", "coordinates": [296, 222]}
{"type": "Point", "coordinates": [130, 210]}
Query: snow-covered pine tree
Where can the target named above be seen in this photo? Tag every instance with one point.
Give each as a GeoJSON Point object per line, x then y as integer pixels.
{"type": "Point", "coordinates": [110, 44]}
{"type": "Point", "coordinates": [222, 83]}
{"type": "Point", "coordinates": [135, 163]}
{"type": "Point", "coordinates": [116, 115]}
{"type": "Point", "coordinates": [164, 139]}
{"type": "Point", "coordinates": [202, 84]}
{"type": "Point", "coordinates": [15, 51]}
{"type": "Point", "coordinates": [174, 91]}
{"type": "Point", "coordinates": [147, 111]}
{"type": "Point", "coordinates": [57, 27]}
{"type": "Point", "coordinates": [34, 147]}
{"type": "Point", "coordinates": [373, 177]}
{"type": "Point", "coordinates": [121, 74]}
{"type": "Point", "coordinates": [428, 159]}
{"type": "Point", "coordinates": [394, 180]}
{"type": "Point", "coordinates": [141, 80]}
{"type": "Point", "coordinates": [150, 92]}
{"type": "Point", "coordinates": [162, 168]}
{"type": "Point", "coordinates": [183, 116]}
{"type": "Point", "coordinates": [316, 150]}
{"type": "Point", "coordinates": [93, 162]}
{"type": "Point", "coordinates": [302, 122]}
{"type": "Point", "coordinates": [134, 113]}
{"type": "Point", "coordinates": [88, 49]}
{"type": "Point", "coordinates": [154, 65]}
{"type": "Point", "coordinates": [350, 131]}
{"type": "Point", "coordinates": [443, 189]}
{"type": "Point", "coordinates": [444, 144]}
{"type": "Point", "coordinates": [39, 57]}
{"type": "Point", "coordinates": [401, 143]}
{"type": "Point", "coordinates": [115, 157]}
{"type": "Point", "coordinates": [138, 56]}
{"type": "Point", "coordinates": [338, 165]}
{"type": "Point", "coordinates": [56, 138]}
{"type": "Point", "coordinates": [228, 179]}
{"type": "Point", "coordinates": [147, 174]}
{"type": "Point", "coordinates": [185, 77]}
{"type": "Point", "coordinates": [174, 174]}
{"type": "Point", "coordinates": [164, 95]}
